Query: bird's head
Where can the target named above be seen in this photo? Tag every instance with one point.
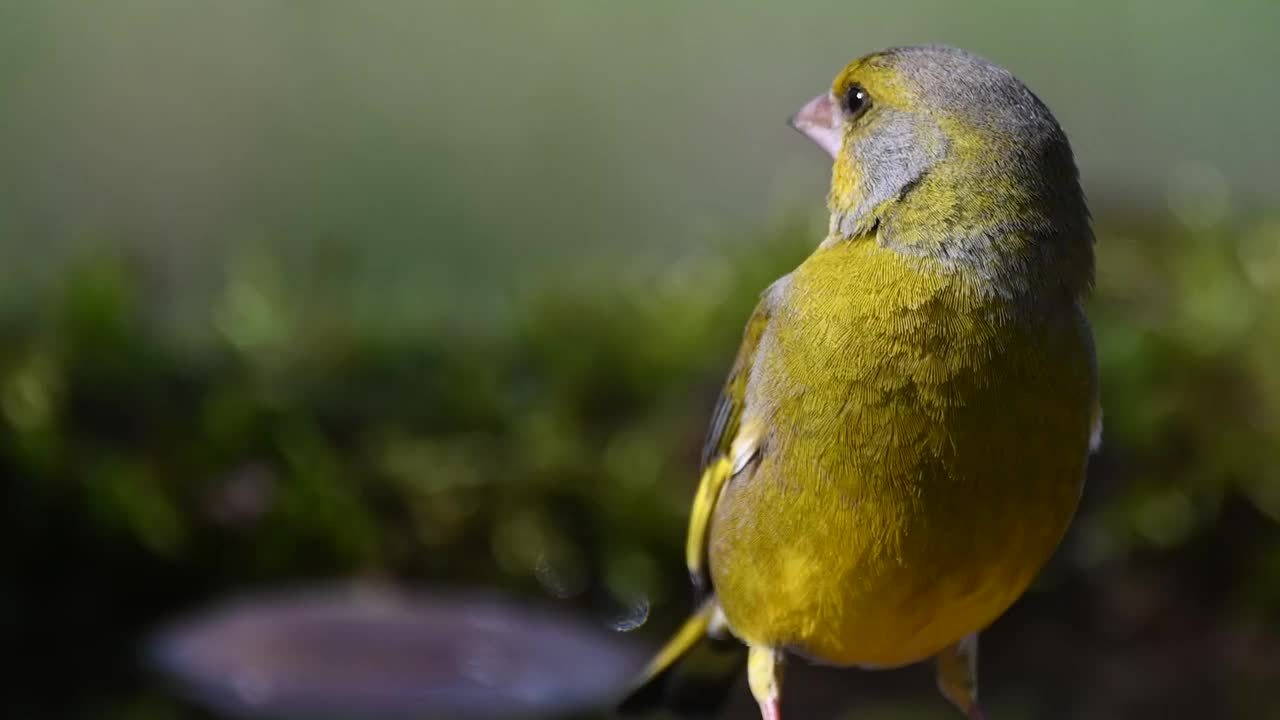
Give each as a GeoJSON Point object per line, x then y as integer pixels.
{"type": "Point", "coordinates": [943, 153]}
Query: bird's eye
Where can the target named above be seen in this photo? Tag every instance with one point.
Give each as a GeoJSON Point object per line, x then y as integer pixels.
{"type": "Point", "coordinates": [856, 101]}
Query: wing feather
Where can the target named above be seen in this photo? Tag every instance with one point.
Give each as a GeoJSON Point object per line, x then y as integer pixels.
{"type": "Point", "coordinates": [726, 450]}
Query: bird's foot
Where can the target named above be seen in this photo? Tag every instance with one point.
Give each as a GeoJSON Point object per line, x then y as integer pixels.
{"type": "Point", "coordinates": [764, 675]}
{"type": "Point", "coordinates": [771, 710]}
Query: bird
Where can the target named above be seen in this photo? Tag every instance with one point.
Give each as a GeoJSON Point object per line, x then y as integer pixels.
{"type": "Point", "coordinates": [903, 437]}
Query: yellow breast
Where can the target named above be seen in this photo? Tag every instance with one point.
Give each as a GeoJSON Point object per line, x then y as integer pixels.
{"type": "Point", "coordinates": [924, 449]}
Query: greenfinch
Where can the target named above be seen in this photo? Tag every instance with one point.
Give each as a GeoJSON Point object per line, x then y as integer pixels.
{"type": "Point", "coordinates": [903, 438]}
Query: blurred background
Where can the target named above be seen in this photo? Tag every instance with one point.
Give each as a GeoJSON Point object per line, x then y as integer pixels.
{"type": "Point", "coordinates": [357, 338]}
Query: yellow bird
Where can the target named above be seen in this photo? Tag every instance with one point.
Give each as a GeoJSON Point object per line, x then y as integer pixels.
{"type": "Point", "coordinates": [903, 438]}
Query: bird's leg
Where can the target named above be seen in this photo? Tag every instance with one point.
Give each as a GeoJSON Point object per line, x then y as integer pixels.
{"type": "Point", "coordinates": [958, 676]}
{"type": "Point", "coordinates": [764, 675]}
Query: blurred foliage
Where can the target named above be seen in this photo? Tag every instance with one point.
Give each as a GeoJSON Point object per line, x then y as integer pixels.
{"type": "Point", "coordinates": [145, 474]}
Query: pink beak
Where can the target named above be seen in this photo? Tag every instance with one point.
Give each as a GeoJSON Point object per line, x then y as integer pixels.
{"type": "Point", "coordinates": [820, 122]}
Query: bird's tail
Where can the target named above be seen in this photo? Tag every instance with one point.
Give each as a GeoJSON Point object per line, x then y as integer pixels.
{"type": "Point", "coordinates": [692, 674]}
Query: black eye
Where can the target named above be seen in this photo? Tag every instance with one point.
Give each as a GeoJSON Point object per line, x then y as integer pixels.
{"type": "Point", "coordinates": [856, 101]}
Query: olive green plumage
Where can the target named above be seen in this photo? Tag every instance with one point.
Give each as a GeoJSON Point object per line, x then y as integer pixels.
{"type": "Point", "coordinates": [904, 437]}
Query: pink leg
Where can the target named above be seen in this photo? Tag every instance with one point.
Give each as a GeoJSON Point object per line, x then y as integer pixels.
{"type": "Point", "coordinates": [958, 676]}
{"type": "Point", "coordinates": [764, 676]}
{"type": "Point", "coordinates": [771, 709]}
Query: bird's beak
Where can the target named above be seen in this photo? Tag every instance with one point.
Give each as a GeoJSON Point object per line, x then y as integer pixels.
{"type": "Point", "coordinates": [820, 122]}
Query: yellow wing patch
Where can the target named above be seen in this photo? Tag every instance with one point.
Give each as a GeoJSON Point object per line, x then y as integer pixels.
{"type": "Point", "coordinates": [713, 480]}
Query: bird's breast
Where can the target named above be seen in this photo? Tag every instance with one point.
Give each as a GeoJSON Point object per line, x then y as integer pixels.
{"type": "Point", "coordinates": [924, 450]}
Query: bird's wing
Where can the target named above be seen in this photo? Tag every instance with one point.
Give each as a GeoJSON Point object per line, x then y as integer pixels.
{"type": "Point", "coordinates": [729, 448]}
